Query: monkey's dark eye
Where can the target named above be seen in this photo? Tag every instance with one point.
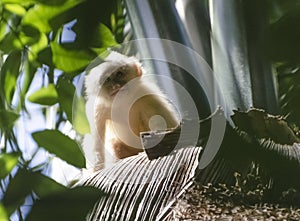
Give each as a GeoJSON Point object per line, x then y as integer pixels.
{"type": "Point", "coordinates": [119, 74]}
{"type": "Point", "coordinates": [107, 80]}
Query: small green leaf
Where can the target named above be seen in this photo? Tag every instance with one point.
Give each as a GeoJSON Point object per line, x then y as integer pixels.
{"type": "Point", "coordinates": [9, 74]}
{"type": "Point", "coordinates": [71, 59]}
{"type": "Point", "coordinates": [7, 162]}
{"type": "Point", "coordinates": [45, 96]}
{"type": "Point", "coordinates": [3, 213]}
{"type": "Point", "coordinates": [7, 119]}
{"type": "Point", "coordinates": [15, 9]}
{"type": "Point", "coordinates": [61, 145]}
{"type": "Point", "coordinates": [71, 204]}
{"type": "Point", "coordinates": [66, 92]}
{"type": "Point", "coordinates": [80, 121]}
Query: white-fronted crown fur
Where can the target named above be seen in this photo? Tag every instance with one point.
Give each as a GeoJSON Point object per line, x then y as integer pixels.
{"type": "Point", "coordinates": [98, 74]}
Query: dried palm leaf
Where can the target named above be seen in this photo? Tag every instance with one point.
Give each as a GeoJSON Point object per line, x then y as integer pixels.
{"type": "Point", "coordinates": [139, 189]}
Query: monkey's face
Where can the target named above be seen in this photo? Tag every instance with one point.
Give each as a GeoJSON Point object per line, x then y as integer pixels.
{"type": "Point", "coordinates": [112, 83]}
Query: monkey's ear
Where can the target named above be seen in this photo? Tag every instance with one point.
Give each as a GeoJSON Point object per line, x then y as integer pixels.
{"type": "Point", "coordinates": [139, 71]}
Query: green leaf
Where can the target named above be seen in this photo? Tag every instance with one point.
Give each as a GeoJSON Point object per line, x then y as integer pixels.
{"type": "Point", "coordinates": [10, 42]}
{"type": "Point", "coordinates": [7, 119]}
{"type": "Point", "coordinates": [37, 47]}
{"type": "Point", "coordinates": [118, 21]}
{"type": "Point", "coordinates": [19, 187]}
{"type": "Point", "coordinates": [45, 186]}
{"type": "Point", "coordinates": [61, 145]}
{"type": "Point", "coordinates": [7, 162]}
{"type": "Point", "coordinates": [9, 74]}
{"type": "Point", "coordinates": [3, 213]}
{"type": "Point", "coordinates": [3, 28]}
{"type": "Point", "coordinates": [45, 57]}
{"type": "Point", "coordinates": [66, 92]}
{"type": "Point", "coordinates": [52, 2]}
{"type": "Point", "coordinates": [15, 9]}
{"type": "Point", "coordinates": [23, 184]}
{"type": "Point", "coordinates": [289, 89]}
{"type": "Point", "coordinates": [29, 35]}
{"type": "Point", "coordinates": [80, 121]}
{"type": "Point", "coordinates": [282, 42]}
{"type": "Point", "coordinates": [27, 2]}
{"type": "Point", "coordinates": [56, 202]}
{"type": "Point", "coordinates": [72, 59]}
{"type": "Point", "coordinates": [103, 37]}
{"type": "Point", "coordinates": [41, 16]}
{"type": "Point", "coordinates": [100, 36]}
{"type": "Point", "coordinates": [45, 96]}
{"type": "Point", "coordinates": [20, 2]}
{"type": "Point", "coordinates": [71, 204]}
{"type": "Point", "coordinates": [99, 51]}
{"type": "Point", "coordinates": [29, 72]}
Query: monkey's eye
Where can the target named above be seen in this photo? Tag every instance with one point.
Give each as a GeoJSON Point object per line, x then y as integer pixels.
{"type": "Point", "coordinates": [119, 74]}
{"type": "Point", "coordinates": [107, 80]}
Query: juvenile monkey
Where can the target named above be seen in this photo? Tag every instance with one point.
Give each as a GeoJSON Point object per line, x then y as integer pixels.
{"type": "Point", "coordinates": [120, 105]}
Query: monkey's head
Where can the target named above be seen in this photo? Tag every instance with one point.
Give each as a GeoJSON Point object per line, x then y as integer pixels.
{"type": "Point", "coordinates": [107, 79]}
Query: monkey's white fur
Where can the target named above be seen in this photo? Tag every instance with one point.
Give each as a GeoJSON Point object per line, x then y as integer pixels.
{"type": "Point", "coordinates": [99, 73]}
{"type": "Point", "coordinates": [93, 82]}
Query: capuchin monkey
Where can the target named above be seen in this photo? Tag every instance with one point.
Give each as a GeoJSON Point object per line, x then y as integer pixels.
{"type": "Point", "coordinates": [120, 105]}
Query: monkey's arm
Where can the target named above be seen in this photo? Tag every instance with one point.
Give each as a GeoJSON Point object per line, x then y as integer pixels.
{"type": "Point", "coordinates": [152, 110]}
{"type": "Point", "coordinates": [101, 116]}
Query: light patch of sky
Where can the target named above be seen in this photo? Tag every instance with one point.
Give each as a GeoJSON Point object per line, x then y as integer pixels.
{"type": "Point", "coordinates": [68, 35]}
